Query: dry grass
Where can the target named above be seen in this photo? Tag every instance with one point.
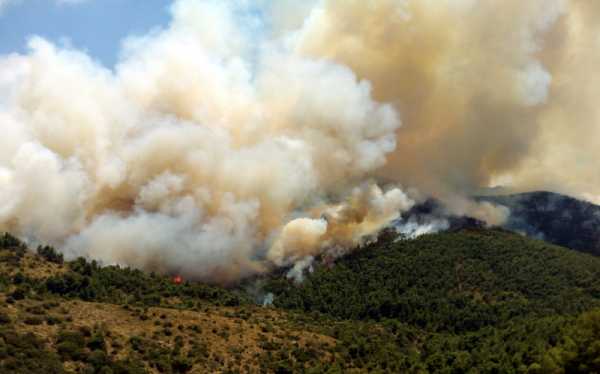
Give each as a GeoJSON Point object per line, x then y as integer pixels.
{"type": "Point", "coordinates": [31, 265]}
{"type": "Point", "coordinates": [231, 338]}
{"type": "Point", "coordinates": [231, 341]}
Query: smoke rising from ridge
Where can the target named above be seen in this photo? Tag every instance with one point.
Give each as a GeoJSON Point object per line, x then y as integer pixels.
{"type": "Point", "coordinates": [244, 137]}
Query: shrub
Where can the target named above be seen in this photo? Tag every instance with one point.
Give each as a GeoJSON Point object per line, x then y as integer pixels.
{"type": "Point", "coordinates": [137, 343]}
{"type": "Point", "coordinates": [50, 305]}
{"type": "Point", "coordinates": [25, 353]}
{"type": "Point", "coordinates": [37, 310]}
{"type": "Point", "coordinates": [181, 364]}
{"type": "Point", "coordinates": [96, 342]}
{"type": "Point", "coordinates": [76, 337]}
{"type": "Point", "coordinates": [19, 278]}
{"type": "Point", "coordinates": [98, 359]}
{"type": "Point", "coordinates": [69, 350]}
{"type": "Point", "coordinates": [128, 366]}
{"type": "Point", "coordinates": [85, 331]}
{"type": "Point", "coordinates": [50, 254]}
{"type": "Point", "coordinates": [33, 320]}
{"type": "Point", "coordinates": [10, 242]}
{"type": "Point", "coordinates": [4, 318]}
{"type": "Point", "coordinates": [52, 320]}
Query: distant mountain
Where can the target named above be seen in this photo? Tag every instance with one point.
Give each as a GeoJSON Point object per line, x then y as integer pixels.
{"type": "Point", "coordinates": [553, 217]}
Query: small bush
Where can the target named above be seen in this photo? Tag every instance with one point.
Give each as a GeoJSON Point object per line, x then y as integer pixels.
{"type": "Point", "coordinates": [68, 350]}
{"type": "Point", "coordinates": [33, 320]}
{"type": "Point", "coordinates": [25, 353]}
{"type": "Point", "coordinates": [10, 242]}
{"type": "Point", "coordinates": [19, 293]}
{"type": "Point", "coordinates": [137, 343]}
{"type": "Point", "coordinates": [4, 318]}
{"type": "Point", "coordinates": [76, 337]}
{"type": "Point", "coordinates": [181, 365]}
{"type": "Point", "coordinates": [37, 310]}
{"type": "Point", "coordinates": [98, 359]}
{"type": "Point", "coordinates": [50, 254]}
{"type": "Point", "coordinates": [51, 320]}
{"type": "Point", "coordinates": [18, 278]}
{"type": "Point", "coordinates": [85, 331]}
{"type": "Point", "coordinates": [96, 342]}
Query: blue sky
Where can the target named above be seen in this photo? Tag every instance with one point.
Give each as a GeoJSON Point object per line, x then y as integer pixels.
{"type": "Point", "coordinates": [96, 26]}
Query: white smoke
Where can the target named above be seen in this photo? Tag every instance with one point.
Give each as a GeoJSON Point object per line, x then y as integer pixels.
{"type": "Point", "coordinates": [412, 229]}
{"type": "Point", "coordinates": [300, 267]}
{"type": "Point", "coordinates": [249, 135]}
{"type": "Point", "coordinates": [268, 299]}
{"type": "Point", "coordinates": [205, 152]}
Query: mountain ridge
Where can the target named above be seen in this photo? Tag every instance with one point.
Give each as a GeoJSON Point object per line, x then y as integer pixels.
{"type": "Point", "coordinates": [556, 218]}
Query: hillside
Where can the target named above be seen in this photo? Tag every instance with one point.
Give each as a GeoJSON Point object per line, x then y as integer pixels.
{"type": "Point", "coordinates": [458, 281]}
{"type": "Point", "coordinates": [490, 301]}
{"type": "Point", "coordinates": [77, 317]}
{"type": "Point", "coordinates": [553, 217]}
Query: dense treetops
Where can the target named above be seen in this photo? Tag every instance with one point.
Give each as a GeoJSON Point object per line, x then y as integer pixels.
{"type": "Point", "coordinates": [457, 282]}
{"type": "Point", "coordinates": [485, 300]}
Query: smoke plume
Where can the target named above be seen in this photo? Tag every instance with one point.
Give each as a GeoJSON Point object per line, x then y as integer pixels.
{"type": "Point", "coordinates": [490, 92]}
{"type": "Point", "coordinates": [247, 136]}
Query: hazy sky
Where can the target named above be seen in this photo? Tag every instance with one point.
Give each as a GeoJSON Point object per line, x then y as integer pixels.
{"type": "Point", "coordinates": [96, 26]}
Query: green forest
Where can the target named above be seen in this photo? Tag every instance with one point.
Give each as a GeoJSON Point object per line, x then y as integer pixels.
{"type": "Point", "coordinates": [474, 300]}
{"type": "Point", "coordinates": [471, 301]}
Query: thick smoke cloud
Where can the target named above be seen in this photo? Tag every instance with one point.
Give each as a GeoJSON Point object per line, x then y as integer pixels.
{"type": "Point", "coordinates": [490, 91]}
{"type": "Point", "coordinates": [247, 136]}
{"type": "Point", "coordinates": [202, 153]}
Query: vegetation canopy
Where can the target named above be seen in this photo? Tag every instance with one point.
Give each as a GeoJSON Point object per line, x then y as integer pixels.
{"type": "Point", "coordinates": [476, 300]}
